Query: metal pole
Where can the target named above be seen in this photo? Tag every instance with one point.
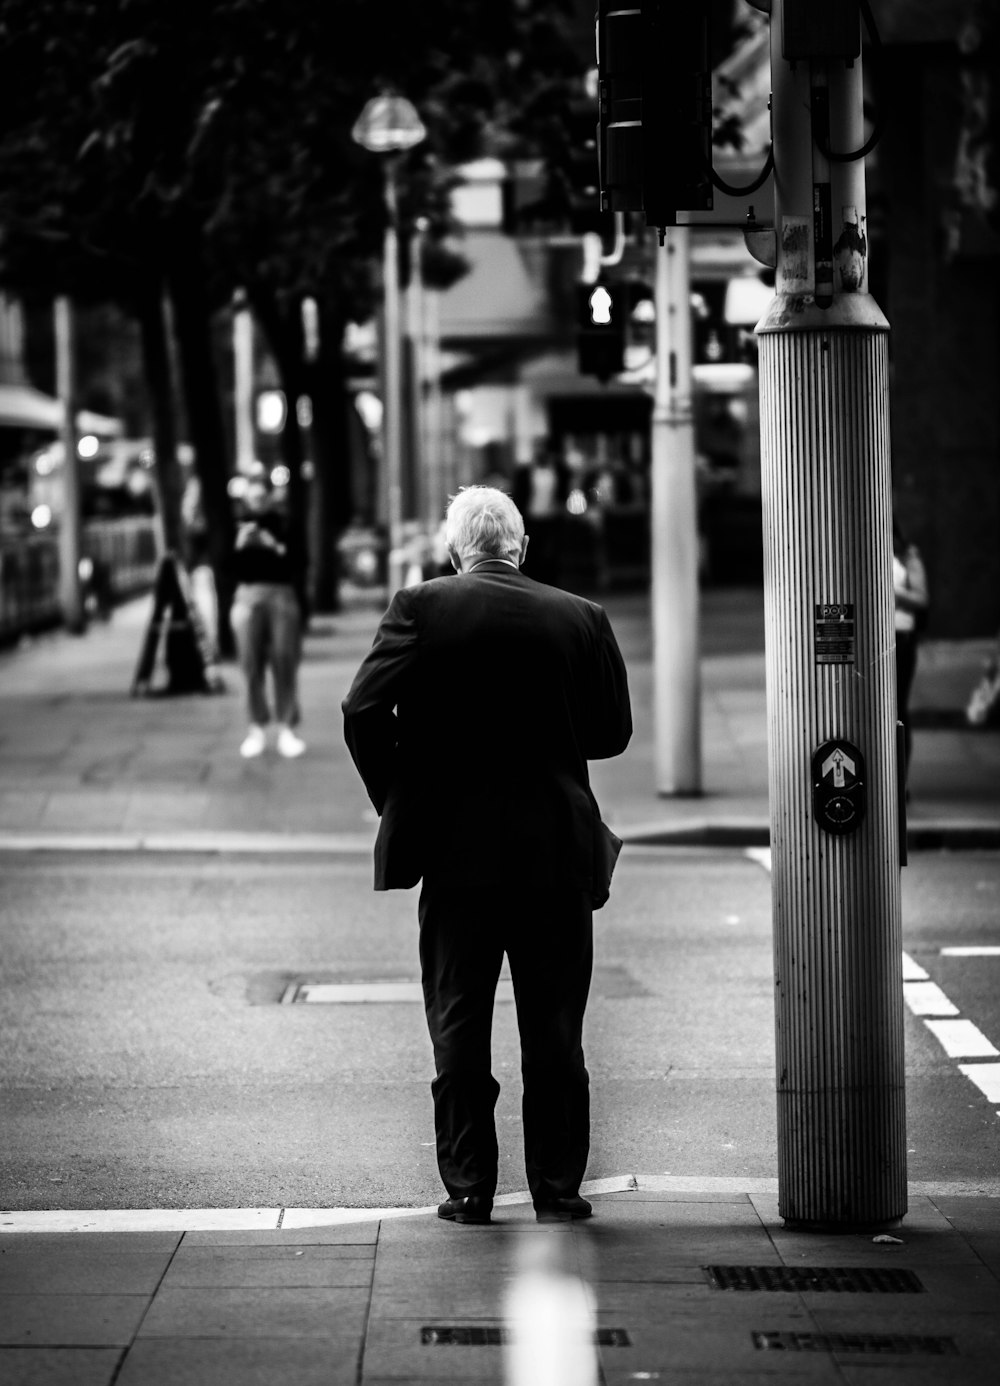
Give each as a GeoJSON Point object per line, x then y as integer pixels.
{"type": "Point", "coordinates": [392, 431]}
{"type": "Point", "coordinates": [415, 360]}
{"type": "Point", "coordinates": [243, 387]}
{"type": "Point", "coordinates": [434, 464]}
{"type": "Point", "coordinates": [835, 838]}
{"type": "Point", "coordinates": [71, 596]}
{"type": "Point", "coordinates": [676, 673]}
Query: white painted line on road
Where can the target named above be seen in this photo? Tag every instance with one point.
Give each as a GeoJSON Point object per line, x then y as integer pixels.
{"type": "Point", "coordinates": [927, 998]}
{"type": "Point", "coordinates": [270, 1219]}
{"type": "Point", "coordinates": [960, 1039]}
{"type": "Point", "coordinates": [337, 844]}
{"type": "Point", "coordinates": [986, 1078]}
{"type": "Point", "coordinates": [362, 993]}
{"type": "Point", "coordinates": [912, 971]}
{"type": "Point", "coordinates": [141, 1220]}
{"type": "Point", "coordinates": [299, 1218]}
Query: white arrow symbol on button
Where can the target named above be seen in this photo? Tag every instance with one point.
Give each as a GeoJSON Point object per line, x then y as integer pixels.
{"type": "Point", "coordinates": [837, 761]}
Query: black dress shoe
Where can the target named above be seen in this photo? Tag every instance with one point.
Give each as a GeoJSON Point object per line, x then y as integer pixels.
{"type": "Point", "coordinates": [474, 1209]}
{"type": "Point", "coordinates": [563, 1209]}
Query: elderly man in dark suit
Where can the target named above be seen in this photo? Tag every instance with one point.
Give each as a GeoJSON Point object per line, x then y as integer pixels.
{"type": "Point", "coordinates": [471, 721]}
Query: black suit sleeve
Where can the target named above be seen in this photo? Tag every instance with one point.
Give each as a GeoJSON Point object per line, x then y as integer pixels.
{"type": "Point", "coordinates": [369, 708]}
{"type": "Point", "coordinates": [610, 727]}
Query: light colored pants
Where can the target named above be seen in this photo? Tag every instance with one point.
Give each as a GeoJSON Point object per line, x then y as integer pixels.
{"type": "Point", "coordinates": [267, 625]}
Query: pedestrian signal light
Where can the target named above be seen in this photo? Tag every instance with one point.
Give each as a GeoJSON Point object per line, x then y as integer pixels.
{"type": "Point", "coordinates": [602, 314]}
{"type": "Point", "coordinates": [600, 306]}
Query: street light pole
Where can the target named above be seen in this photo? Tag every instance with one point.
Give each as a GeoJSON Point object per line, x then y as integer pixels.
{"type": "Point", "coordinates": [392, 411]}
{"type": "Point", "coordinates": [389, 125]}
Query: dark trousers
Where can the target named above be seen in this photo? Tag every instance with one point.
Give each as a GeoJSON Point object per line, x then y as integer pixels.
{"type": "Point", "coordinates": [906, 668]}
{"type": "Point", "coordinates": [266, 624]}
{"type": "Point", "coordinates": [548, 939]}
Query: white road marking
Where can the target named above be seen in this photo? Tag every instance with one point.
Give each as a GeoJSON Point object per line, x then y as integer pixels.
{"type": "Point", "coordinates": [273, 1219]}
{"type": "Point", "coordinates": [332, 844]}
{"type": "Point", "coordinates": [912, 971]}
{"type": "Point", "coordinates": [141, 1220]}
{"type": "Point", "coordinates": [927, 998]}
{"type": "Point", "coordinates": [986, 1078]}
{"type": "Point", "coordinates": [979, 951]}
{"type": "Point", "coordinates": [360, 993]}
{"type": "Point", "coordinates": [960, 1039]}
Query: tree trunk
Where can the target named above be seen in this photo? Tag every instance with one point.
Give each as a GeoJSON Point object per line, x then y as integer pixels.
{"type": "Point", "coordinates": [202, 396]}
{"type": "Point", "coordinates": [322, 510]}
{"type": "Point", "coordinates": [282, 326]}
{"type": "Point", "coordinates": [159, 379]}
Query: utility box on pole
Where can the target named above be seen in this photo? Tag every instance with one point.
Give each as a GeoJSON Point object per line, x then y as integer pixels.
{"type": "Point", "coordinates": [835, 831]}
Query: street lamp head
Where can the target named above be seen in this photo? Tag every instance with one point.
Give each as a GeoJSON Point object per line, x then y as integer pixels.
{"type": "Point", "coordinates": [388, 124]}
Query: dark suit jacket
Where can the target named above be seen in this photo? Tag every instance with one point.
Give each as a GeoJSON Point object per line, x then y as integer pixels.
{"type": "Point", "coordinates": [471, 721]}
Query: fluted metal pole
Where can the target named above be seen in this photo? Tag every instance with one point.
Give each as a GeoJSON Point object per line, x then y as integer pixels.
{"type": "Point", "coordinates": [830, 670]}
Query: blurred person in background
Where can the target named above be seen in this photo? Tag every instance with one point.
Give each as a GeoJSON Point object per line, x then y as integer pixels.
{"type": "Point", "coordinates": [266, 618]}
{"type": "Point", "coordinates": [909, 581]}
{"type": "Point", "coordinates": [197, 561]}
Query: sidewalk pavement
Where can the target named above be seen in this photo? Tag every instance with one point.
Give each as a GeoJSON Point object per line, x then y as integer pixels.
{"type": "Point", "coordinates": [251, 1296]}
{"type": "Point", "coordinates": [80, 759]}
{"type": "Point", "coordinates": [675, 1282]}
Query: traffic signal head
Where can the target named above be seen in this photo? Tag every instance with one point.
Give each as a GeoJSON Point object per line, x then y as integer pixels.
{"type": "Point", "coordinates": [655, 107]}
{"type": "Point", "coordinates": [602, 317]}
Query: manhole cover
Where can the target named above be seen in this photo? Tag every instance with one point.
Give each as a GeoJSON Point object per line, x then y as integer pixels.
{"type": "Point", "coordinates": [852, 1280]}
{"type": "Point", "coordinates": [900, 1344]}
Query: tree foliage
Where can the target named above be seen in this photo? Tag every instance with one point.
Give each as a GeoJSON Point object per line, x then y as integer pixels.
{"type": "Point", "coordinates": [195, 148]}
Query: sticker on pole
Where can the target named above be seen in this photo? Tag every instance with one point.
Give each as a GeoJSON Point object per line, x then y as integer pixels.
{"type": "Point", "coordinates": [838, 775]}
{"type": "Point", "coordinates": [834, 633]}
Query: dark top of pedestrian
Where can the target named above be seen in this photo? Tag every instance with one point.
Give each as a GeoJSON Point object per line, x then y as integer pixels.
{"type": "Point", "coordinates": [472, 718]}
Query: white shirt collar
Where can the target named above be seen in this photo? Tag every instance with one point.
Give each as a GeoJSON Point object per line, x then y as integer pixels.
{"type": "Point", "coordinates": [483, 561]}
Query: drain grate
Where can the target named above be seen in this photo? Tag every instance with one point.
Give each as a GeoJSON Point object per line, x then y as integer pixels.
{"type": "Point", "coordinates": [494, 1335]}
{"type": "Point", "coordinates": [838, 1280]}
{"type": "Point", "coordinates": [899, 1344]}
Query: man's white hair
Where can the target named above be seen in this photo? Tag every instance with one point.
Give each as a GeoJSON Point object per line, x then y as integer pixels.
{"type": "Point", "coordinates": [483, 519]}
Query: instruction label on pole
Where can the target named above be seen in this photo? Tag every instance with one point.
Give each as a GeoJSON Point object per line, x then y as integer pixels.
{"type": "Point", "coordinates": [834, 633]}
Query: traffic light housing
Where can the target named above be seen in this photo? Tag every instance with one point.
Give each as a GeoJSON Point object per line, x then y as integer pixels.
{"type": "Point", "coordinates": [602, 320]}
{"type": "Point", "coordinates": [654, 108]}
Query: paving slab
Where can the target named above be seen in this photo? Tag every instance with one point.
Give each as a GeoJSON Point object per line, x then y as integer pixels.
{"type": "Point", "coordinates": [79, 1270]}
{"type": "Point", "coordinates": [70, 1320]}
{"type": "Point", "coordinates": [231, 1362]}
{"type": "Point", "coordinates": [257, 1312]}
{"type": "Point", "coordinates": [59, 1366]}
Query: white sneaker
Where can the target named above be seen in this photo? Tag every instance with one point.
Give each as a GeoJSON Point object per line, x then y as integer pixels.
{"type": "Point", "coordinates": [289, 744]}
{"type": "Point", "coordinates": [253, 743]}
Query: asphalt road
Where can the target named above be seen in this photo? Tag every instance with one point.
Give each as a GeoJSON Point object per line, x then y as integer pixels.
{"type": "Point", "coordinates": [148, 1059]}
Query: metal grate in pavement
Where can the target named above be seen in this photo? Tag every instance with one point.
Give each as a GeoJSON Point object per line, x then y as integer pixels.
{"type": "Point", "coordinates": [494, 1335]}
{"type": "Point", "coordinates": [838, 1280]}
{"type": "Point", "coordinates": [898, 1344]}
